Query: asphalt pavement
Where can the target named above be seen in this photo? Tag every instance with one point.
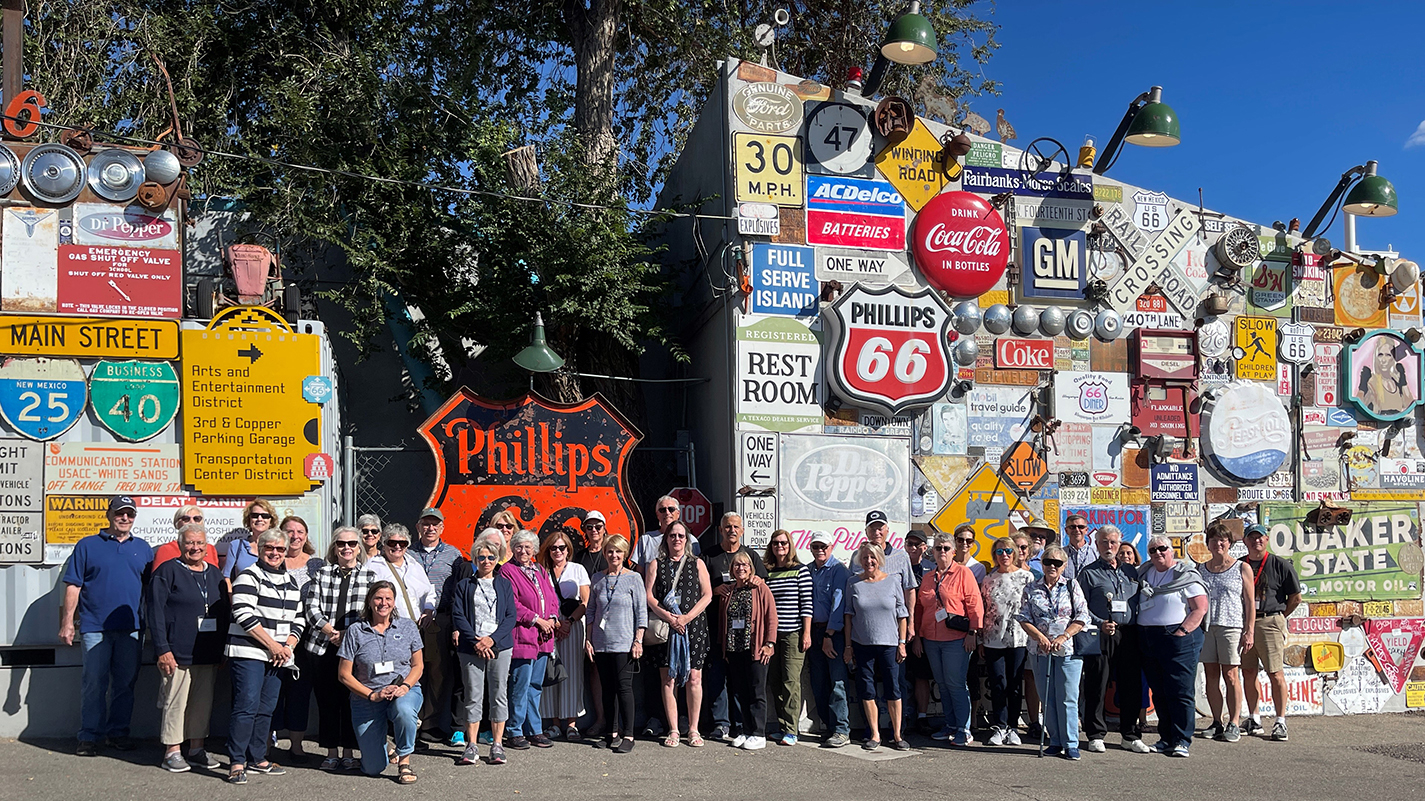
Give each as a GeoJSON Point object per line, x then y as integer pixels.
{"type": "Point", "coordinates": [1366, 757]}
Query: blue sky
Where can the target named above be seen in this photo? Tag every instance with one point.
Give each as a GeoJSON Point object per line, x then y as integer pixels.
{"type": "Point", "coordinates": [1276, 99]}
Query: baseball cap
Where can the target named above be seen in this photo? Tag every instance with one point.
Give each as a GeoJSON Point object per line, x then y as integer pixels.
{"type": "Point", "coordinates": [122, 502]}
{"type": "Point", "coordinates": [595, 515]}
{"type": "Point", "coordinates": [1255, 528]}
{"type": "Point", "coordinates": [431, 511]}
{"type": "Point", "coordinates": [876, 516]}
{"type": "Point", "coordinates": [822, 537]}
{"type": "Point", "coordinates": [916, 534]}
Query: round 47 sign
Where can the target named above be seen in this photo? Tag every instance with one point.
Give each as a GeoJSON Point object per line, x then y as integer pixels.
{"type": "Point", "coordinates": [133, 399]}
{"type": "Point", "coordinates": [41, 398]}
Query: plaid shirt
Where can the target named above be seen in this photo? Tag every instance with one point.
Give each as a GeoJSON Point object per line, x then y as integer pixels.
{"type": "Point", "coordinates": [319, 602]}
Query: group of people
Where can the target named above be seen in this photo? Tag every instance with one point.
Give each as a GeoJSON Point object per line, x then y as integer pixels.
{"type": "Point", "coordinates": [405, 640]}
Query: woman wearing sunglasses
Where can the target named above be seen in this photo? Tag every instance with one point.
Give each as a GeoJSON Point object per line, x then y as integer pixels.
{"type": "Point", "coordinates": [1004, 640]}
{"type": "Point", "coordinates": [331, 605]}
{"type": "Point", "coordinates": [1051, 612]}
{"type": "Point", "coordinates": [564, 702]}
{"type": "Point", "coordinates": [1172, 601]}
{"type": "Point", "coordinates": [483, 615]}
{"type": "Point", "coordinates": [370, 527]}
{"type": "Point", "coordinates": [949, 615]}
{"type": "Point", "coordinates": [187, 515]}
{"type": "Point", "coordinates": [257, 517]}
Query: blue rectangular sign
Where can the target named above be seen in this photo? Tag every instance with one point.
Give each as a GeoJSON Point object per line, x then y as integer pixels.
{"type": "Point", "coordinates": [853, 196]}
{"type": "Point", "coordinates": [1055, 262]}
{"type": "Point", "coordinates": [784, 280]}
{"type": "Point", "coordinates": [1174, 482]}
{"type": "Point", "coordinates": [994, 180]}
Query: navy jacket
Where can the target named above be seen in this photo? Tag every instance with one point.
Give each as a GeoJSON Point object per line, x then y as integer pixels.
{"type": "Point", "coordinates": [460, 614]}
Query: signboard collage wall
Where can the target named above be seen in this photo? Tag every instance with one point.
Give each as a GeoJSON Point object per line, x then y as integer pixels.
{"type": "Point", "coordinates": [963, 338]}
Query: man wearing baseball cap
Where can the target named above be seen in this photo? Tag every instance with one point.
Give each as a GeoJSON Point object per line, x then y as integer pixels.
{"type": "Point", "coordinates": [1278, 592]}
{"type": "Point", "coordinates": [828, 642]}
{"type": "Point", "coordinates": [445, 567]}
{"type": "Point", "coordinates": [104, 581]}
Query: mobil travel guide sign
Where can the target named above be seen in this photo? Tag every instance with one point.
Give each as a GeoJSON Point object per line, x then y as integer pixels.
{"type": "Point", "coordinates": [854, 212]}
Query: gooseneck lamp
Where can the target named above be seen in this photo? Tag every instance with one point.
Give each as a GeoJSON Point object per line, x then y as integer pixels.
{"type": "Point", "coordinates": [1148, 122]}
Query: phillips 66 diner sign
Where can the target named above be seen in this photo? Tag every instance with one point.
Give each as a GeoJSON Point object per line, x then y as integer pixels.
{"type": "Point", "coordinates": [548, 463]}
{"type": "Point", "coordinates": [888, 347]}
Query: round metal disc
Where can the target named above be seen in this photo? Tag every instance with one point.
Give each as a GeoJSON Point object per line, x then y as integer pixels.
{"type": "Point", "coordinates": [9, 170]}
{"type": "Point", "coordinates": [53, 173]}
{"type": "Point", "coordinates": [116, 175]}
{"type": "Point", "coordinates": [162, 167]}
{"type": "Point", "coordinates": [1079, 324]}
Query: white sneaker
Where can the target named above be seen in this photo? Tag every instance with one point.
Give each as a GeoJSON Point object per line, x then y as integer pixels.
{"type": "Point", "coordinates": [997, 736]}
{"type": "Point", "coordinates": [1137, 747]}
{"type": "Point", "coordinates": [1096, 745]}
{"type": "Point", "coordinates": [755, 744]}
{"type": "Point", "coordinates": [739, 741]}
{"type": "Point", "coordinates": [1011, 737]}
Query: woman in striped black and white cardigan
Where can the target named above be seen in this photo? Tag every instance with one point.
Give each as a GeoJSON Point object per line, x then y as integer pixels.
{"type": "Point", "coordinates": [266, 625]}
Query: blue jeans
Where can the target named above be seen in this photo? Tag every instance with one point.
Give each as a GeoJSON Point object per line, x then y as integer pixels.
{"type": "Point", "coordinates": [828, 681]}
{"type": "Point", "coordinates": [256, 685]}
{"type": "Point", "coordinates": [1170, 665]}
{"type": "Point", "coordinates": [369, 719]}
{"type": "Point", "coordinates": [951, 665]}
{"type": "Point", "coordinates": [715, 688]}
{"type": "Point", "coordinates": [111, 664]}
{"type": "Point", "coordinates": [526, 685]}
{"type": "Point", "coordinates": [1059, 697]}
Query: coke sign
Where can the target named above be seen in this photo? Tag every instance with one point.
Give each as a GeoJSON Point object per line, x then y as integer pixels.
{"type": "Point", "coordinates": [889, 347]}
{"type": "Point", "coordinates": [1024, 354]}
{"type": "Point", "coordinates": [961, 244]}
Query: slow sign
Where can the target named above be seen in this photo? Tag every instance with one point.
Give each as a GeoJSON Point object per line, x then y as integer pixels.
{"type": "Point", "coordinates": [961, 244]}
{"type": "Point", "coordinates": [1256, 349]}
{"type": "Point", "coordinates": [1024, 467]}
{"type": "Point", "coordinates": [888, 347]}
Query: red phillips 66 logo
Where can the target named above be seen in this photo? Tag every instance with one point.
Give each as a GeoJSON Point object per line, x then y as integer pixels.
{"type": "Point", "coordinates": [889, 347]}
{"type": "Point", "coordinates": [961, 244]}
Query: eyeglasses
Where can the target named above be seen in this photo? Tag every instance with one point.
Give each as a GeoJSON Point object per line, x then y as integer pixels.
{"type": "Point", "coordinates": [1053, 562]}
{"type": "Point", "coordinates": [347, 544]}
{"type": "Point", "coordinates": [560, 547]}
{"type": "Point", "coordinates": [274, 549]}
{"type": "Point", "coordinates": [1077, 525]}
{"type": "Point", "coordinates": [259, 516]}
{"type": "Point", "coordinates": [505, 525]}
{"type": "Point", "coordinates": [397, 544]}
{"type": "Point", "coordinates": [485, 557]}
{"type": "Point", "coordinates": [191, 518]}
{"type": "Point", "coordinates": [371, 532]}
{"type": "Point", "coordinates": [944, 548]}
{"type": "Point", "coordinates": [125, 513]}
{"type": "Point", "coordinates": [1004, 552]}
{"type": "Point", "coordinates": [965, 540]}
{"type": "Point", "coordinates": [1158, 549]}
{"type": "Point", "coordinates": [668, 509]}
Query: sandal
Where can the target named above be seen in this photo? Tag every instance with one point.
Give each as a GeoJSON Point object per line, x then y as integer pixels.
{"type": "Point", "coordinates": [695, 740]}
{"type": "Point", "coordinates": [671, 741]}
{"type": "Point", "coordinates": [406, 775]}
{"type": "Point", "coordinates": [330, 764]}
{"type": "Point", "coordinates": [350, 763]}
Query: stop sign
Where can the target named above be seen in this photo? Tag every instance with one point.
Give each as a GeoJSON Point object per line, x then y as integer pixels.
{"type": "Point", "coordinates": [696, 511]}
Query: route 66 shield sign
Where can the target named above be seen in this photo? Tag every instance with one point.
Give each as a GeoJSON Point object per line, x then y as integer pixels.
{"type": "Point", "coordinates": [1150, 211]}
{"type": "Point", "coordinates": [1294, 343]}
{"type": "Point", "coordinates": [889, 347]}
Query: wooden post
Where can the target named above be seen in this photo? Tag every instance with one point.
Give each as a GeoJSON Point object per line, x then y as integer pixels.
{"type": "Point", "coordinates": [13, 81]}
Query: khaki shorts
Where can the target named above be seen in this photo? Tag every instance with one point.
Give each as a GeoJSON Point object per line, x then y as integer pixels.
{"type": "Point", "coordinates": [1220, 646]}
{"type": "Point", "coordinates": [1268, 644]}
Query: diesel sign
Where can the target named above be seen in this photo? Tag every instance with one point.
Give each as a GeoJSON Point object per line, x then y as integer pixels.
{"type": "Point", "coordinates": [1024, 354]}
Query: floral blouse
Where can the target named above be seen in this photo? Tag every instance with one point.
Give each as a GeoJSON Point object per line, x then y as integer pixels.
{"type": "Point", "coordinates": [1052, 611]}
{"type": "Point", "coordinates": [1003, 593]}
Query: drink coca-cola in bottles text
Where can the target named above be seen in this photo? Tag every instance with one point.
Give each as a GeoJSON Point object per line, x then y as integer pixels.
{"type": "Point", "coordinates": [961, 244]}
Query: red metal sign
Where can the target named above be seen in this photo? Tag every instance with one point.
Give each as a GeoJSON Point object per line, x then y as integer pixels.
{"type": "Point", "coordinates": [889, 347]}
{"type": "Point", "coordinates": [549, 463]}
{"type": "Point", "coordinates": [1395, 643]}
{"type": "Point", "coordinates": [1024, 354]}
{"type": "Point", "coordinates": [694, 509]}
{"type": "Point", "coordinates": [961, 244]}
{"type": "Point", "coordinates": [120, 281]}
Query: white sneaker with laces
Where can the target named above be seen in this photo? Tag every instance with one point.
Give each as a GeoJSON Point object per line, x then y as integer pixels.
{"type": "Point", "coordinates": [1011, 737]}
{"type": "Point", "coordinates": [1137, 747]}
{"type": "Point", "coordinates": [754, 744]}
{"type": "Point", "coordinates": [997, 736]}
{"type": "Point", "coordinates": [1096, 745]}
{"type": "Point", "coordinates": [739, 741]}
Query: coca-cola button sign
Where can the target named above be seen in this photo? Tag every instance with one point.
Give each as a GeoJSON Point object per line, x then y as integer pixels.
{"type": "Point", "coordinates": [961, 244]}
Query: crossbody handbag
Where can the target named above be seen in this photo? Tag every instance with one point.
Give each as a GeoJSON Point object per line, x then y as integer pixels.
{"type": "Point", "coordinates": [658, 630]}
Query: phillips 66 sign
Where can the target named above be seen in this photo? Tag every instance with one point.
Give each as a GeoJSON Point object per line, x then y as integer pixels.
{"type": "Point", "coordinates": [888, 347]}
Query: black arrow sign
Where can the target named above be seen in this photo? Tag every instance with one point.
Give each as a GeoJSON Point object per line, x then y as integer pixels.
{"type": "Point", "coordinates": [758, 477]}
{"type": "Point", "coordinates": [252, 354]}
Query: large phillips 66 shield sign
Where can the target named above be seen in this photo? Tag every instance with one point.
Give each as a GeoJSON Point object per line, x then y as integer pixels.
{"type": "Point", "coordinates": [889, 347]}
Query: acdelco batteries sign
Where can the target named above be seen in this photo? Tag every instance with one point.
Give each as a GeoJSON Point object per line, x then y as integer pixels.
{"type": "Point", "coordinates": [854, 212]}
{"type": "Point", "coordinates": [889, 347]}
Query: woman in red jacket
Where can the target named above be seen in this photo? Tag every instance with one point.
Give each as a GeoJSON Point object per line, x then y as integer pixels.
{"type": "Point", "coordinates": [949, 613]}
{"type": "Point", "coordinates": [748, 636]}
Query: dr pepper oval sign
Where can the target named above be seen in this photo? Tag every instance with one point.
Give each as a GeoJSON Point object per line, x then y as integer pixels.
{"type": "Point", "coordinates": [889, 347]}
{"type": "Point", "coordinates": [961, 244]}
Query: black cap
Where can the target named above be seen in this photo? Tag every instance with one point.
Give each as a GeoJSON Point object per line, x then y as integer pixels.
{"type": "Point", "coordinates": [876, 516]}
{"type": "Point", "coordinates": [122, 502]}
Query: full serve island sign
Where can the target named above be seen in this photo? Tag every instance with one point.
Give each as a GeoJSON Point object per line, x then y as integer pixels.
{"type": "Point", "coordinates": [548, 463]}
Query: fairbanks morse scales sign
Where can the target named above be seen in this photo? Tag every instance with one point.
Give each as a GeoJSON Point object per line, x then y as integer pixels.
{"type": "Point", "coordinates": [548, 463]}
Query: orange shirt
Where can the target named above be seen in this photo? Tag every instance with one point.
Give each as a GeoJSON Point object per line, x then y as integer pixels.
{"type": "Point", "coordinates": [170, 550]}
{"type": "Point", "coordinates": [959, 595]}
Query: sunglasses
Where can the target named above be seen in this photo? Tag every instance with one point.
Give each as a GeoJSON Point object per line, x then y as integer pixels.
{"type": "Point", "coordinates": [667, 508]}
{"type": "Point", "coordinates": [1158, 549]}
{"type": "Point", "coordinates": [559, 547]}
{"type": "Point", "coordinates": [504, 525]}
{"type": "Point", "coordinates": [965, 540]}
{"type": "Point", "coordinates": [1004, 552]}
{"type": "Point", "coordinates": [347, 543]}
{"type": "Point", "coordinates": [676, 536]}
{"type": "Point", "coordinates": [371, 532]}
{"type": "Point", "coordinates": [944, 548]}
{"type": "Point", "coordinates": [484, 557]}
{"type": "Point", "coordinates": [1022, 547]}
{"type": "Point", "coordinates": [397, 544]}
{"type": "Point", "coordinates": [1075, 526]}
{"type": "Point", "coordinates": [259, 516]}
{"type": "Point", "coordinates": [1053, 563]}
{"type": "Point", "coordinates": [125, 513]}
{"type": "Point", "coordinates": [781, 544]}
{"type": "Point", "coordinates": [274, 549]}
{"type": "Point", "coordinates": [191, 519]}
{"type": "Point", "coordinates": [594, 524]}
{"type": "Point", "coordinates": [819, 546]}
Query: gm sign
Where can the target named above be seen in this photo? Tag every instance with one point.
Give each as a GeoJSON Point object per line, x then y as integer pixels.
{"type": "Point", "coordinates": [1054, 262]}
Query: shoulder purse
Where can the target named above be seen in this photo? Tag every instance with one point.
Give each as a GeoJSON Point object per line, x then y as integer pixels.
{"type": "Point", "coordinates": [658, 630]}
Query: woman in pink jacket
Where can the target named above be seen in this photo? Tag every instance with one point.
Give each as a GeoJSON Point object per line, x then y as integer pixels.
{"type": "Point", "coordinates": [536, 615]}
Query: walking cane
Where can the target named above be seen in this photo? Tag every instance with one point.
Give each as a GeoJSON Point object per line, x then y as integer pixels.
{"type": "Point", "coordinates": [1046, 703]}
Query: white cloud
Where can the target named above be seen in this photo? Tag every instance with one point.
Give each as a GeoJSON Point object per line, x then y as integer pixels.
{"type": "Point", "coordinates": [1416, 139]}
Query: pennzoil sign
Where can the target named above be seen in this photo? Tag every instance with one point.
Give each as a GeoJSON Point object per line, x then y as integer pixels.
{"type": "Point", "coordinates": [888, 347]}
{"type": "Point", "coordinates": [548, 463]}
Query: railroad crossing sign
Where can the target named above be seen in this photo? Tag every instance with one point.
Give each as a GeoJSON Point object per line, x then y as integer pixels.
{"type": "Point", "coordinates": [42, 398]}
{"type": "Point", "coordinates": [135, 400]}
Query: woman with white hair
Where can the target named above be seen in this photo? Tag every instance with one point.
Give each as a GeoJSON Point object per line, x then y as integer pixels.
{"type": "Point", "coordinates": [1051, 612]}
{"type": "Point", "coordinates": [483, 615]}
{"type": "Point", "coordinates": [331, 605]}
{"type": "Point", "coordinates": [950, 614]}
{"type": "Point", "coordinates": [370, 528]}
{"type": "Point", "coordinates": [536, 618]}
{"type": "Point", "coordinates": [1172, 601]}
{"type": "Point", "coordinates": [876, 624]}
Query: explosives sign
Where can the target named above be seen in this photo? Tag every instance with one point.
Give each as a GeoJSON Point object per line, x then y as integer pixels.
{"type": "Point", "coordinates": [916, 165]}
{"type": "Point", "coordinates": [247, 429]}
{"type": "Point", "coordinates": [1256, 351]}
{"type": "Point", "coordinates": [856, 213]}
{"type": "Point", "coordinates": [548, 463]}
{"type": "Point", "coordinates": [89, 338]}
{"type": "Point", "coordinates": [778, 374]}
{"type": "Point", "coordinates": [41, 398]}
{"type": "Point", "coordinates": [784, 280]}
{"type": "Point", "coordinates": [768, 169]}
{"type": "Point", "coordinates": [112, 468]}
{"type": "Point", "coordinates": [888, 347]}
{"type": "Point", "coordinates": [135, 400]}
{"type": "Point", "coordinates": [1374, 557]}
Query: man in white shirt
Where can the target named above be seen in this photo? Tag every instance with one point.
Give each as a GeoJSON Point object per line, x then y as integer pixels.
{"type": "Point", "coordinates": [415, 597]}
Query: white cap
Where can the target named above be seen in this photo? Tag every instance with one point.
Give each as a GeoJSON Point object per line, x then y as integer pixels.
{"type": "Point", "coordinates": [594, 515]}
{"type": "Point", "coordinates": [823, 537]}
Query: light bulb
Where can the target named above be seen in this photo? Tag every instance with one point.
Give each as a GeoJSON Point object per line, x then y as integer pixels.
{"type": "Point", "coordinates": [906, 47]}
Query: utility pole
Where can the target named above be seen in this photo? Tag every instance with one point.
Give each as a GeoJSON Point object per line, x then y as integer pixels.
{"type": "Point", "coordinates": [13, 81]}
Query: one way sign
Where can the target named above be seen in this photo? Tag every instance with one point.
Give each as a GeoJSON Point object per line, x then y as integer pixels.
{"type": "Point", "coordinates": [757, 461]}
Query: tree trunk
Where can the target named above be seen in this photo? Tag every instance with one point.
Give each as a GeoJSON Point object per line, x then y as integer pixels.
{"type": "Point", "coordinates": [592, 29]}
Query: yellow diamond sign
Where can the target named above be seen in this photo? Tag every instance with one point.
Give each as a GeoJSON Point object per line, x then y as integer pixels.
{"type": "Point", "coordinates": [985, 502]}
{"type": "Point", "coordinates": [916, 166]}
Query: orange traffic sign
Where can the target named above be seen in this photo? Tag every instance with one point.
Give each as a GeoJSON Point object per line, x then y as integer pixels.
{"type": "Point", "coordinates": [1023, 467]}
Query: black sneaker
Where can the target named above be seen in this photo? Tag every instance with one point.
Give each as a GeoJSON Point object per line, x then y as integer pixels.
{"type": "Point", "coordinates": [237, 777]}
{"type": "Point", "coordinates": [541, 741]}
{"type": "Point", "coordinates": [1213, 732]}
{"type": "Point", "coordinates": [269, 768]}
{"type": "Point", "coordinates": [497, 755]}
{"type": "Point", "coordinates": [520, 743]}
{"type": "Point", "coordinates": [1250, 727]}
{"type": "Point", "coordinates": [202, 759]}
{"type": "Point", "coordinates": [86, 748]}
{"type": "Point", "coordinates": [1279, 731]}
{"type": "Point", "coordinates": [901, 745]}
{"type": "Point", "coordinates": [624, 747]}
{"type": "Point", "coordinates": [120, 743]}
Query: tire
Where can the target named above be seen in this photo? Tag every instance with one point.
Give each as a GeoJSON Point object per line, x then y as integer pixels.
{"type": "Point", "coordinates": [205, 300]}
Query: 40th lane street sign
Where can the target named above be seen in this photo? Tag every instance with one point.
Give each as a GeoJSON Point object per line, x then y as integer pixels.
{"type": "Point", "coordinates": [247, 429]}
{"type": "Point", "coordinates": [133, 399]}
{"type": "Point", "coordinates": [41, 398]}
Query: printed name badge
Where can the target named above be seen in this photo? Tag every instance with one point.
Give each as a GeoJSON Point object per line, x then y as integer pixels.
{"type": "Point", "coordinates": [726, 578]}
{"type": "Point", "coordinates": [940, 615]}
{"type": "Point", "coordinates": [382, 668]}
{"type": "Point", "coordinates": [283, 629]}
{"type": "Point", "coordinates": [1259, 603]}
{"type": "Point", "coordinates": [207, 624]}
{"type": "Point", "coordinates": [1119, 606]}
{"type": "Point", "coordinates": [739, 624]}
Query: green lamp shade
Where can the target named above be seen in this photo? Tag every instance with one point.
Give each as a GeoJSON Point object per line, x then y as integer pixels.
{"type": "Point", "coordinates": [1155, 125]}
{"type": "Point", "coordinates": [1372, 196]}
{"type": "Point", "coordinates": [538, 357]}
{"type": "Point", "coordinates": [911, 40]}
